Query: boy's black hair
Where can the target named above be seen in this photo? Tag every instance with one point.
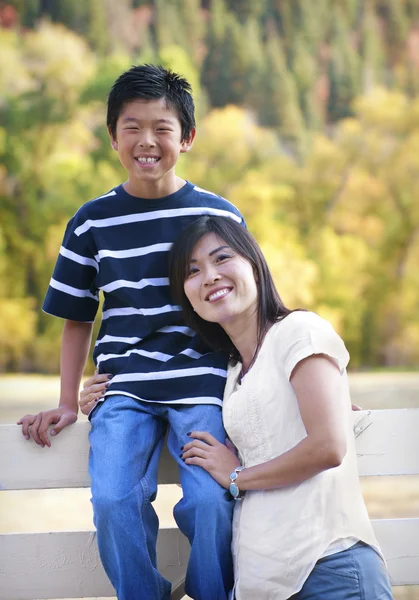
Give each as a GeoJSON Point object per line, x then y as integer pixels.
{"type": "Point", "coordinates": [151, 82]}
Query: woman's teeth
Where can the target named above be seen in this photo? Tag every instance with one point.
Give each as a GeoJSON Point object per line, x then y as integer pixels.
{"type": "Point", "coordinates": [218, 294]}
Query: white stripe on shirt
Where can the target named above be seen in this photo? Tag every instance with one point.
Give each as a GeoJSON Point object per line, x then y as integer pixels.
{"type": "Point", "coordinates": [191, 353]}
{"type": "Point", "coordinates": [177, 329]}
{"type": "Point", "coordinates": [161, 356]}
{"type": "Point", "coordinates": [123, 312]}
{"type": "Point", "coordinates": [197, 400]}
{"type": "Point", "coordinates": [72, 291]}
{"type": "Point", "coordinates": [132, 252]}
{"type": "Point", "coordinates": [110, 339]}
{"type": "Point", "coordinates": [136, 285]}
{"type": "Point", "coordinates": [175, 374]}
{"type": "Point", "coordinates": [82, 260]}
{"type": "Point", "coordinates": [153, 215]}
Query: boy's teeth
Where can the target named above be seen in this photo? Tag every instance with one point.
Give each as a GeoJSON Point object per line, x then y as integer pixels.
{"type": "Point", "coordinates": [147, 160]}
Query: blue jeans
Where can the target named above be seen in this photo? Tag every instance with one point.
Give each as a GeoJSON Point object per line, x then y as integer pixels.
{"type": "Point", "coordinates": [357, 573]}
{"type": "Point", "coordinates": [126, 440]}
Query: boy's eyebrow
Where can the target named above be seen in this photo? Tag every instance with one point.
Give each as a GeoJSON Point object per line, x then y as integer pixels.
{"type": "Point", "coordinates": [135, 120]}
{"type": "Point", "coordinates": [193, 260]}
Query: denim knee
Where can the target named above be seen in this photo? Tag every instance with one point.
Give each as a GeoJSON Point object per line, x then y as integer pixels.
{"type": "Point", "coordinates": [108, 503]}
{"type": "Point", "coordinates": [207, 507]}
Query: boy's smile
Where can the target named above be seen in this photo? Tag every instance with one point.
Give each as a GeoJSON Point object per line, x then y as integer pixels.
{"type": "Point", "coordinates": [149, 142]}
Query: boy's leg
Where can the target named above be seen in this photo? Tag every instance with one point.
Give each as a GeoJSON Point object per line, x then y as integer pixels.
{"type": "Point", "coordinates": [125, 444]}
{"type": "Point", "coordinates": [205, 512]}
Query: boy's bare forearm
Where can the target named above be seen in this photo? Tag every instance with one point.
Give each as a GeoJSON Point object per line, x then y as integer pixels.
{"type": "Point", "coordinates": [74, 352]}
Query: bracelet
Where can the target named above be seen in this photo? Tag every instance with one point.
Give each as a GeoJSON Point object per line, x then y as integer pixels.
{"type": "Point", "coordinates": [234, 488]}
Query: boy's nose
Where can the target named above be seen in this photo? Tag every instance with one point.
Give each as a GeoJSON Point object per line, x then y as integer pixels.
{"type": "Point", "coordinates": [146, 140]}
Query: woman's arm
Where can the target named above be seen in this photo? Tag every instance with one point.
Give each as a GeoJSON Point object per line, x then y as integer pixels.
{"type": "Point", "coordinates": [317, 384]}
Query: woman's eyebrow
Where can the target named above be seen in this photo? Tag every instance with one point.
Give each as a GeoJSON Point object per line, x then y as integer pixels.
{"type": "Point", "coordinates": [193, 260]}
{"type": "Point", "coordinates": [218, 249]}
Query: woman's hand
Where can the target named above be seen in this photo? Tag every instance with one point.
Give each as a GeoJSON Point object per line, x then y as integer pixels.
{"type": "Point", "coordinates": [93, 390]}
{"type": "Point", "coordinates": [207, 452]}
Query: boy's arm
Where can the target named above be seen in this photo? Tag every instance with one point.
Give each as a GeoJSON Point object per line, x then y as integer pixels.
{"type": "Point", "coordinates": [74, 351]}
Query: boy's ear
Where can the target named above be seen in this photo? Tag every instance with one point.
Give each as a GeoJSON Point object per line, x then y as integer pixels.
{"type": "Point", "coordinates": [114, 143]}
{"type": "Point", "coordinates": [186, 144]}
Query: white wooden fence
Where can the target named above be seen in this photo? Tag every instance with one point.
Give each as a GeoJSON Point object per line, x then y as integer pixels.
{"type": "Point", "coordinates": [66, 564]}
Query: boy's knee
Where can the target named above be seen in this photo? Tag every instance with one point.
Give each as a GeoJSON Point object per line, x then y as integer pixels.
{"type": "Point", "coordinates": [112, 502]}
{"type": "Point", "coordinates": [208, 505]}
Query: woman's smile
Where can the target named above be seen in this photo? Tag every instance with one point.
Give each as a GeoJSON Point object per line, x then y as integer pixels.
{"type": "Point", "coordinates": [217, 294]}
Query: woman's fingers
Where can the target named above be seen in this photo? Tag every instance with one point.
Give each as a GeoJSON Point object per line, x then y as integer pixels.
{"type": "Point", "coordinates": [96, 379]}
{"type": "Point", "coordinates": [204, 436]}
{"type": "Point", "coordinates": [86, 408]}
{"type": "Point", "coordinates": [94, 389]}
{"type": "Point", "coordinates": [195, 452]}
{"type": "Point", "coordinates": [86, 403]}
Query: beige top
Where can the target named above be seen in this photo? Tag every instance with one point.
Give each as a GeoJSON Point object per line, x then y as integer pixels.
{"type": "Point", "coordinates": [278, 535]}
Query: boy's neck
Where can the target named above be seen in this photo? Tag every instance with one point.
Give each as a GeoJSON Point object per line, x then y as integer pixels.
{"type": "Point", "coordinates": [154, 189]}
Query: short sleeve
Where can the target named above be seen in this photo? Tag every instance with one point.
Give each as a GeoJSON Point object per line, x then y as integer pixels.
{"type": "Point", "coordinates": [310, 334]}
{"type": "Point", "coordinates": [72, 293]}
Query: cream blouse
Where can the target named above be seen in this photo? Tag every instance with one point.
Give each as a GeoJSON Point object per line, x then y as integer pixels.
{"type": "Point", "coordinates": [278, 535]}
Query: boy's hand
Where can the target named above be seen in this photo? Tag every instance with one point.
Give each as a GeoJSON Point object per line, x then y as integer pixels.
{"type": "Point", "coordinates": [93, 390]}
{"type": "Point", "coordinates": [37, 425]}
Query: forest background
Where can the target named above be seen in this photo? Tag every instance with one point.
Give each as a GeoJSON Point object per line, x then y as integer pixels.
{"type": "Point", "coordinates": [308, 121]}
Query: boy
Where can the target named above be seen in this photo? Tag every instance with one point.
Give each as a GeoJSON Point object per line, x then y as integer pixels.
{"type": "Point", "coordinates": [163, 375]}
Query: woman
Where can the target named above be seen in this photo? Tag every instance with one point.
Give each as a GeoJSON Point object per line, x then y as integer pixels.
{"type": "Point", "coordinates": [301, 529]}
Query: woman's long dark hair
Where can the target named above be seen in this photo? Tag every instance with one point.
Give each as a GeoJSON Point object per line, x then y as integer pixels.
{"type": "Point", "coordinates": [270, 307]}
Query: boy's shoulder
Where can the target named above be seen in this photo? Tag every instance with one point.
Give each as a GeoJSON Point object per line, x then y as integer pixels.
{"type": "Point", "coordinates": [211, 199]}
{"type": "Point", "coordinates": [102, 203]}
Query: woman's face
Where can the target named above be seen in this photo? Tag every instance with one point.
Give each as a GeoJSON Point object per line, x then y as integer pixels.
{"type": "Point", "coordinates": [220, 284]}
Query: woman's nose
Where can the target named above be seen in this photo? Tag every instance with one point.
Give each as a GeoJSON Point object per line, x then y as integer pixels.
{"type": "Point", "coordinates": [211, 275]}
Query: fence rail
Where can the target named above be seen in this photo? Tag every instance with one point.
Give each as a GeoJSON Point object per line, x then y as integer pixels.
{"type": "Point", "coordinates": [66, 564]}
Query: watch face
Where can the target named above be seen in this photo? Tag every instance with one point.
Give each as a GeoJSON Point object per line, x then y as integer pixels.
{"type": "Point", "coordinates": [234, 490]}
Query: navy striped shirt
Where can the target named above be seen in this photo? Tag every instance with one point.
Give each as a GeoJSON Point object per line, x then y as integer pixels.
{"type": "Point", "coordinates": [119, 244]}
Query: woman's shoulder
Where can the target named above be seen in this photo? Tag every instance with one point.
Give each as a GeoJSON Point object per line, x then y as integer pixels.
{"type": "Point", "coordinates": [301, 322]}
{"type": "Point", "coordinates": [304, 333]}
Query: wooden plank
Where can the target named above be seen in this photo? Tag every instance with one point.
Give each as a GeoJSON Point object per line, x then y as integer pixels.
{"type": "Point", "coordinates": [389, 445]}
{"type": "Point", "coordinates": [67, 565]}
{"type": "Point", "coordinates": [399, 541]}
{"type": "Point", "coordinates": [24, 465]}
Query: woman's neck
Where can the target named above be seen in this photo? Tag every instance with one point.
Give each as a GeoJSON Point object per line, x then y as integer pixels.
{"type": "Point", "coordinates": [245, 337]}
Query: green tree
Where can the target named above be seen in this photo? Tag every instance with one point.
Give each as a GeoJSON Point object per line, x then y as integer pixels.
{"type": "Point", "coordinates": [191, 16]}
{"type": "Point", "coordinates": [372, 54]}
{"type": "Point", "coordinates": [97, 31]}
{"type": "Point", "coordinates": [344, 69]}
{"type": "Point", "coordinates": [280, 108]}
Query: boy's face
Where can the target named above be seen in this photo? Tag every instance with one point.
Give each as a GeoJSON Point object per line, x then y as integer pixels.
{"type": "Point", "coordinates": [149, 141]}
